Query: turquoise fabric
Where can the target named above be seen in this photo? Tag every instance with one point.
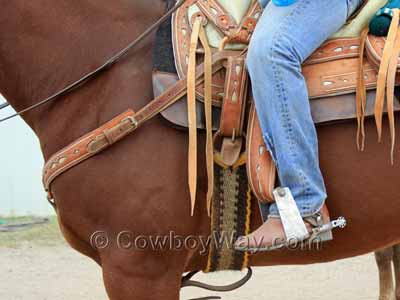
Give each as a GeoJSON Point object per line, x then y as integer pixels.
{"type": "Point", "coordinates": [380, 23]}
{"type": "Point", "coordinates": [283, 2]}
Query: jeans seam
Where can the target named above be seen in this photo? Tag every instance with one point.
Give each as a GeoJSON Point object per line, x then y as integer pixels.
{"type": "Point", "coordinates": [282, 94]}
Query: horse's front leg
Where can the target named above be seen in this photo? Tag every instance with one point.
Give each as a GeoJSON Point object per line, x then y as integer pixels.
{"type": "Point", "coordinates": [141, 276]}
{"type": "Point", "coordinates": [384, 260]}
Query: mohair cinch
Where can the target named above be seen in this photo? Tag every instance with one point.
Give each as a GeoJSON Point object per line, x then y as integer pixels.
{"type": "Point", "coordinates": [380, 23]}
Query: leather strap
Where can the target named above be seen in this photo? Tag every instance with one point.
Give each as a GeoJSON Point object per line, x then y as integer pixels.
{"type": "Point", "coordinates": [217, 14]}
{"type": "Point", "coordinates": [383, 71]}
{"type": "Point", "coordinates": [244, 31]}
{"type": "Point", "coordinates": [96, 141]}
{"type": "Point", "coordinates": [233, 109]}
{"type": "Point", "coordinates": [191, 100]}
{"type": "Point", "coordinates": [87, 146]}
{"type": "Point", "coordinates": [234, 102]}
{"type": "Point", "coordinates": [178, 90]}
{"type": "Point", "coordinates": [208, 115]}
{"type": "Point", "coordinates": [361, 93]}
{"type": "Point", "coordinates": [391, 81]}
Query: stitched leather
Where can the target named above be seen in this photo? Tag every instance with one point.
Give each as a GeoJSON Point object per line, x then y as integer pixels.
{"type": "Point", "coordinates": [260, 167]}
{"type": "Point", "coordinates": [78, 151]}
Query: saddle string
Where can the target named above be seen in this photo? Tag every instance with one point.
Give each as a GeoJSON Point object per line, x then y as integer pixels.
{"type": "Point", "coordinates": [391, 79]}
{"type": "Point", "coordinates": [385, 84]}
{"type": "Point", "coordinates": [191, 104]}
{"type": "Point", "coordinates": [103, 67]}
{"type": "Point", "coordinates": [198, 34]}
{"type": "Point", "coordinates": [361, 95]}
{"type": "Point", "coordinates": [383, 71]}
{"type": "Point", "coordinates": [208, 116]}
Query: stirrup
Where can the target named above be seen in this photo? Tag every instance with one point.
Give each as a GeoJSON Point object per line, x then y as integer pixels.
{"type": "Point", "coordinates": [295, 229]}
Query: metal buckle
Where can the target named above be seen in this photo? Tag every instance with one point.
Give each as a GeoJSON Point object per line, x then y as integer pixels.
{"type": "Point", "coordinates": [133, 121]}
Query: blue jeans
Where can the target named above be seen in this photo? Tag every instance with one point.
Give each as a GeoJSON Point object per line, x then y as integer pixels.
{"type": "Point", "coordinates": [284, 38]}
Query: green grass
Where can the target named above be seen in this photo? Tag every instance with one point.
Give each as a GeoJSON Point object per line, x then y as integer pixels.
{"type": "Point", "coordinates": [47, 234]}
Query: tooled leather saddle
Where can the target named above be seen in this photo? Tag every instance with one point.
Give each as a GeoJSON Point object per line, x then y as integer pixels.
{"type": "Point", "coordinates": [221, 102]}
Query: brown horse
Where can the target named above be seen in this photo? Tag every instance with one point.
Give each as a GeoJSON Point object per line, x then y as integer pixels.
{"type": "Point", "coordinates": [140, 184]}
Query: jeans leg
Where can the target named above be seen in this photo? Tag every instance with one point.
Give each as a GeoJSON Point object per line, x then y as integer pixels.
{"type": "Point", "coordinates": [284, 38]}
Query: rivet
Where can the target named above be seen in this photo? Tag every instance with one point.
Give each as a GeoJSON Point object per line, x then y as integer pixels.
{"type": "Point", "coordinates": [281, 192]}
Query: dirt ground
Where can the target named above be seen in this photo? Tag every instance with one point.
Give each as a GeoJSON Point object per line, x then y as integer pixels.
{"type": "Point", "coordinates": [37, 265]}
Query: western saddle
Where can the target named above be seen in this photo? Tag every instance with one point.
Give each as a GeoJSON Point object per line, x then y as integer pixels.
{"type": "Point", "coordinates": [210, 90]}
{"type": "Point", "coordinates": [225, 27]}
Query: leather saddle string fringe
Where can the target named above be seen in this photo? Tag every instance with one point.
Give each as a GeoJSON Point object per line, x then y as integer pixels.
{"type": "Point", "coordinates": [198, 33]}
{"type": "Point", "coordinates": [385, 84]}
{"type": "Point", "coordinates": [361, 94]}
{"type": "Point", "coordinates": [208, 114]}
{"type": "Point", "coordinates": [391, 78]}
{"type": "Point", "coordinates": [383, 72]}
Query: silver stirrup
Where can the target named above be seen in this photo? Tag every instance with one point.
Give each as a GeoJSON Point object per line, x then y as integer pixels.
{"type": "Point", "coordinates": [292, 222]}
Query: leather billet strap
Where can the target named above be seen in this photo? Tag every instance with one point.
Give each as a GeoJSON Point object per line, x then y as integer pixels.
{"type": "Point", "coordinates": [122, 125]}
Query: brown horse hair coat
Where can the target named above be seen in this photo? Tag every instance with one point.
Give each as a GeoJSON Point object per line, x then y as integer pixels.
{"type": "Point", "coordinates": [140, 184]}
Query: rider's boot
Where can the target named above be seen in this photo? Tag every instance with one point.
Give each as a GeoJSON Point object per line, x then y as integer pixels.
{"type": "Point", "coordinates": [290, 230]}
